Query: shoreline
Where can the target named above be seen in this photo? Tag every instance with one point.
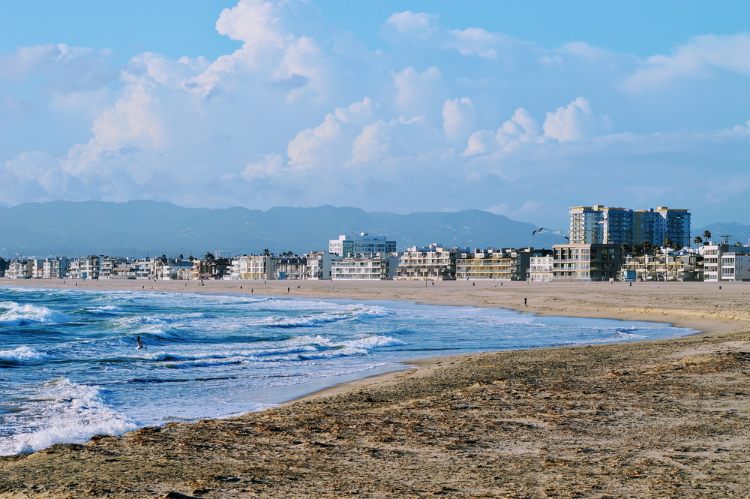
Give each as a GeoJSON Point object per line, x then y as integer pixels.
{"type": "Point", "coordinates": [405, 366]}
{"type": "Point", "coordinates": [485, 294]}
{"type": "Point", "coordinates": [721, 319]}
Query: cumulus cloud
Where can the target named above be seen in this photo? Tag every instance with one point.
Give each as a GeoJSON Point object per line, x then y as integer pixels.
{"type": "Point", "coordinates": [699, 58]}
{"type": "Point", "coordinates": [418, 92]}
{"type": "Point", "coordinates": [459, 116]}
{"type": "Point", "coordinates": [476, 42]}
{"type": "Point", "coordinates": [277, 121]}
{"type": "Point", "coordinates": [572, 122]}
{"type": "Point", "coordinates": [329, 142]}
{"type": "Point", "coordinates": [408, 25]}
{"type": "Point", "coordinates": [266, 167]}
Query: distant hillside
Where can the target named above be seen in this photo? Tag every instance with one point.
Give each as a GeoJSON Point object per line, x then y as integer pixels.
{"type": "Point", "coordinates": [736, 231]}
{"type": "Point", "coordinates": [139, 228]}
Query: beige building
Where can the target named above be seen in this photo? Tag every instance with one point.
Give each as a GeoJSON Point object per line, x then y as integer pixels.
{"type": "Point", "coordinates": [504, 265]}
{"type": "Point", "coordinates": [253, 267]}
{"type": "Point", "coordinates": [662, 267]}
{"type": "Point", "coordinates": [431, 262]}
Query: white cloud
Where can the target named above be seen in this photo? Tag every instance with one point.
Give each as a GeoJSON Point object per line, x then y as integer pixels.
{"type": "Point", "coordinates": [572, 122]}
{"type": "Point", "coordinates": [275, 121]}
{"type": "Point", "coordinates": [410, 25]}
{"type": "Point", "coordinates": [520, 129]}
{"type": "Point", "coordinates": [476, 42]}
{"type": "Point", "coordinates": [266, 167]}
{"type": "Point", "coordinates": [458, 118]}
{"type": "Point", "coordinates": [699, 58]}
{"type": "Point", "coordinates": [394, 140]}
{"type": "Point", "coordinates": [329, 142]}
{"type": "Point", "coordinates": [418, 92]}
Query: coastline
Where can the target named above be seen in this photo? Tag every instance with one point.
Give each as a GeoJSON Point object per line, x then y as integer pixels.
{"type": "Point", "coordinates": [722, 318]}
{"type": "Point", "coordinates": [693, 305]}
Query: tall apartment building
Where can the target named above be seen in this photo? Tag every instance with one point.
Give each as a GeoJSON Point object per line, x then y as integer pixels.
{"type": "Point", "coordinates": [599, 224]}
{"type": "Point", "coordinates": [648, 227]}
{"type": "Point", "coordinates": [363, 244]}
{"type": "Point", "coordinates": [676, 225]}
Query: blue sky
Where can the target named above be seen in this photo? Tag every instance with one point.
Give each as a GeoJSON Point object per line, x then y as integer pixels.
{"type": "Point", "coordinates": [521, 108]}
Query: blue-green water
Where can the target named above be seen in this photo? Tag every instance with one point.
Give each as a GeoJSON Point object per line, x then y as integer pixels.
{"type": "Point", "coordinates": [70, 369]}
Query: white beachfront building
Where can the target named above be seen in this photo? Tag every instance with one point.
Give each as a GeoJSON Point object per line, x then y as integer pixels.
{"type": "Point", "coordinates": [722, 262]}
{"type": "Point", "coordinates": [541, 268]}
{"type": "Point", "coordinates": [19, 269]}
{"type": "Point", "coordinates": [319, 264]}
{"type": "Point", "coordinates": [365, 268]}
{"type": "Point", "coordinates": [54, 268]}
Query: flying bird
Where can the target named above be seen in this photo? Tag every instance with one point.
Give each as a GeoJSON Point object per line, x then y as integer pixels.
{"type": "Point", "coordinates": [540, 229]}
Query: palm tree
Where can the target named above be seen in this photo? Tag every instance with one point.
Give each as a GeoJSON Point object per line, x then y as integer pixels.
{"type": "Point", "coordinates": [706, 235]}
{"type": "Point", "coordinates": [698, 240]}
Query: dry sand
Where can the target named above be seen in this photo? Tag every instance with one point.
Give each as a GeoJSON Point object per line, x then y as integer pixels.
{"type": "Point", "coordinates": [656, 418]}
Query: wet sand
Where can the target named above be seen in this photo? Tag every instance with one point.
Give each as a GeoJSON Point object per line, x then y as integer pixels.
{"type": "Point", "coordinates": [656, 418]}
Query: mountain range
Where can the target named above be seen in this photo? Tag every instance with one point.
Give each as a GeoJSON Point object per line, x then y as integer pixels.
{"type": "Point", "coordinates": [140, 228]}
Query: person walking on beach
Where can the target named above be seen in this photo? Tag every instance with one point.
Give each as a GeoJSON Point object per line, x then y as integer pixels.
{"type": "Point", "coordinates": [525, 302]}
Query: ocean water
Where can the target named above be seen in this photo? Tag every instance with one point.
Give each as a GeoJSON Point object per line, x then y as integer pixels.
{"type": "Point", "coordinates": [70, 369]}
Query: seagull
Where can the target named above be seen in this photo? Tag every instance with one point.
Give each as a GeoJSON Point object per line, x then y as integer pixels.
{"type": "Point", "coordinates": [567, 238]}
{"type": "Point", "coordinates": [540, 229]}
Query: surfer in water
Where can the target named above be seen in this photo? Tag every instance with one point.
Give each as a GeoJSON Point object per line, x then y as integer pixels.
{"type": "Point", "coordinates": [139, 342]}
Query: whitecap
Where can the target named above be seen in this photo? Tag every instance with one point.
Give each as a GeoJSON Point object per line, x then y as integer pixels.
{"type": "Point", "coordinates": [21, 314]}
{"type": "Point", "coordinates": [64, 412]}
{"type": "Point", "coordinates": [20, 354]}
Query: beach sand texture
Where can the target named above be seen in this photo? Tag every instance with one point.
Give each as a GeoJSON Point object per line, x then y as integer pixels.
{"type": "Point", "coordinates": [658, 418]}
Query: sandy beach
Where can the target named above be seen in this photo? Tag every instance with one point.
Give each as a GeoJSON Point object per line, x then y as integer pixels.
{"type": "Point", "coordinates": [656, 418]}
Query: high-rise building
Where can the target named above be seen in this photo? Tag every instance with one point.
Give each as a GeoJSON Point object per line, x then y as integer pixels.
{"type": "Point", "coordinates": [648, 227]}
{"type": "Point", "coordinates": [599, 224]}
{"type": "Point", "coordinates": [676, 225]}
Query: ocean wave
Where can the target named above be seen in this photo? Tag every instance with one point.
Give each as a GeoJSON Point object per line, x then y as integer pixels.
{"type": "Point", "coordinates": [23, 314]}
{"type": "Point", "coordinates": [301, 321]}
{"type": "Point", "coordinates": [104, 309]}
{"type": "Point", "coordinates": [293, 350]}
{"type": "Point", "coordinates": [19, 355]}
{"type": "Point", "coordinates": [64, 412]}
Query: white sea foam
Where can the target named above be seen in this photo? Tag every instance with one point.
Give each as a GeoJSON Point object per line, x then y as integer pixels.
{"type": "Point", "coordinates": [63, 412]}
{"type": "Point", "coordinates": [17, 313]}
{"type": "Point", "coordinates": [103, 308]}
{"type": "Point", "coordinates": [20, 354]}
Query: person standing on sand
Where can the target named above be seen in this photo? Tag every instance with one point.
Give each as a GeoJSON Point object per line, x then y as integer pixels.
{"type": "Point", "coordinates": [525, 302]}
